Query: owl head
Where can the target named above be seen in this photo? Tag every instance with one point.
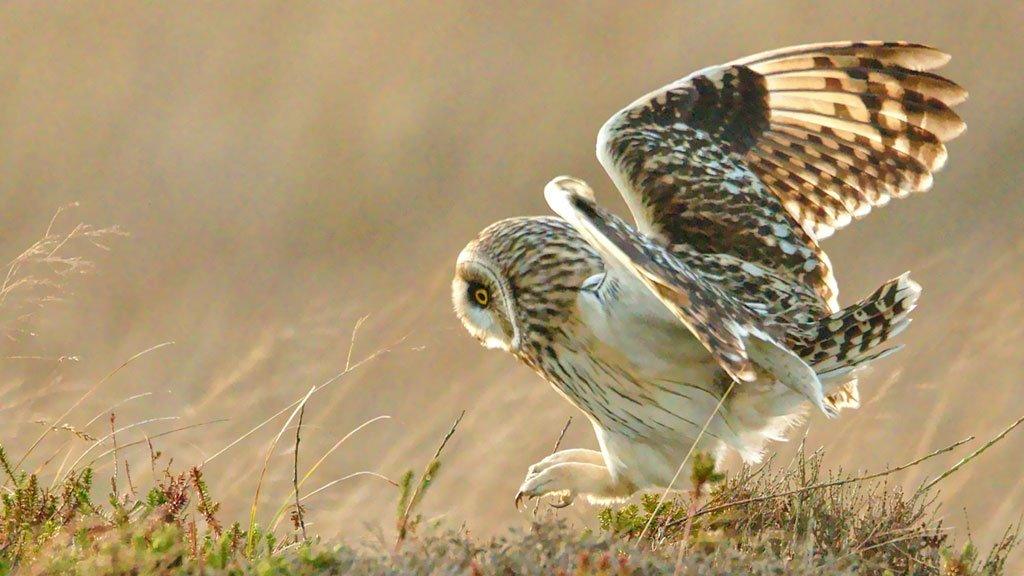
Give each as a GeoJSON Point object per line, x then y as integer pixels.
{"type": "Point", "coordinates": [518, 279]}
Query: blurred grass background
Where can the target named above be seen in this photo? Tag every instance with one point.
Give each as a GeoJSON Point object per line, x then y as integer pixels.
{"type": "Point", "coordinates": [287, 168]}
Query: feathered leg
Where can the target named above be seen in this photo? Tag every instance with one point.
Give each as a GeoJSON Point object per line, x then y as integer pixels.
{"type": "Point", "coordinates": [581, 455]}
{"type": "Point", "coordinates": [571, 479]}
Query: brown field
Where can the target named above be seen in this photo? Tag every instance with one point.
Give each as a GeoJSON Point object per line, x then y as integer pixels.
{"type": "Point", "coordinates": [285, 171]}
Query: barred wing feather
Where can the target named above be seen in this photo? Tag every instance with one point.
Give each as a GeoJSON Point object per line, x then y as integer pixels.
{"type": "Point", "coordinates": [764, 156]}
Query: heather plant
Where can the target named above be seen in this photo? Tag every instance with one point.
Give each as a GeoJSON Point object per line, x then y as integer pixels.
{"type": "Point", "coordinates": [796, 519]}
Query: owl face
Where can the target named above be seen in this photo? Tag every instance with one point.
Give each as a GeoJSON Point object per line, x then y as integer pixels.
{"type": "Point", "coordinates": [516, 284]}
{"type": "Point", "coordinates": [482, 301]}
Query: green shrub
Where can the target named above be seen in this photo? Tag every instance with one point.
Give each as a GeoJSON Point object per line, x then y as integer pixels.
{"type": "Point", "coordinates": [773, 520]}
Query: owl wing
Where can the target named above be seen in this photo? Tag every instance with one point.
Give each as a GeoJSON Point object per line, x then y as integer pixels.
{"type": "Point", "coordinates": [736, 335]}
{"type": "Point", "coordinates": [764, 156]}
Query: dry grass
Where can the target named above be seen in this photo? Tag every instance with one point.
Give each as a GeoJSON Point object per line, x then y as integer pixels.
{"type": "Point", "coordinates": [794, 519]}
{"type": "Point", "coordinates": [39, 275]}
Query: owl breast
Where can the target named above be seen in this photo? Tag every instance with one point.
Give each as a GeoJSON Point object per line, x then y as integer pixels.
{"type": "Point", "coordinates": [630, 325]}
{"type": "Point", "coordinates": [633, 367]}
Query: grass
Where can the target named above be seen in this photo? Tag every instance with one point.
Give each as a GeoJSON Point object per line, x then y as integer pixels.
{"type": "Point", "coordinates": [793, 519]}
{"type": "Point", "coordinates": [39, 275]}
{"type": "Point", "coordinates": [58, 517]}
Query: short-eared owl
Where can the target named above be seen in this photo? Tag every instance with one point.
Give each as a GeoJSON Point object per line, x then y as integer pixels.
{"type": "Point", "coordinates": [714, 318]}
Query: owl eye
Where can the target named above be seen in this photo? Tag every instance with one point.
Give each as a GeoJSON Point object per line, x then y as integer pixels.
{"type": "Point", "coordinates": [480, 295]}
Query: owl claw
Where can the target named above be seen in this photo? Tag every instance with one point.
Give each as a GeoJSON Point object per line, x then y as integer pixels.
{"type": "Point", "coordinates": [519, 499]}
{"type": "Point", "coordinates": [548, 478]}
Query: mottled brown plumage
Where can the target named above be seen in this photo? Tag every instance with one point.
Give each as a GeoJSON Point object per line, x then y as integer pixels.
{"type": "Point", "coordinates": [733, 175]}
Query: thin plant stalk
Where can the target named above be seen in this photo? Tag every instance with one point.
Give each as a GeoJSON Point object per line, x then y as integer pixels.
{"type": "Point", "coordinates": [251, 534]}
{"type": "Point", "coordinates": [971, 456]}
{"type": "Point", "coordinates": [821, 485]}
{"type": "Point", "coordinates": [403, 522]}
{"type": "Point", "coordinates": [284, 505]}
{"type": "Point", "coordinates": [679, 470]}
{"type": "Point", "coordinates": [279, 517]}
{"type": "Point", "coordinates": [87, 394]}
{"type": "Point", "coordinates": [349, 367]}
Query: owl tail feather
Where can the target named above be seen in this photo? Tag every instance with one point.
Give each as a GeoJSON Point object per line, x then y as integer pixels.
{"type": "Point", "coordinates": [789, 369]}
{"type": "Point", "coordinates": [837, 345]}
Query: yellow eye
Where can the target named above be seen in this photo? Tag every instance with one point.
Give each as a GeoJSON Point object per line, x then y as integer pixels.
{"type": "Point", "coordinates": [482, 296]}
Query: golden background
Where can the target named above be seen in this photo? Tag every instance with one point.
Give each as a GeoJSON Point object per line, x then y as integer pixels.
{"type": "Point", "coordinates": [285, 169]}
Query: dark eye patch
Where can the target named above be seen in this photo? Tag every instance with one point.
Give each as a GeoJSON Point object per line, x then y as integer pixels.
{"type": "Point", "coordinates": [478, 294]}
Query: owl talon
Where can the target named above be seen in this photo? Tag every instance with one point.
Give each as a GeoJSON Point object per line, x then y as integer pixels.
{"type": "Point", "coordinates": [519, 498]}
{"type": "Point", "coordinates": [553, 481]}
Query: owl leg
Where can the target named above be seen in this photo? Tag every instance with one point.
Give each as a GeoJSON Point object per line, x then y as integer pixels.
{"type": "Point", "coordinates": [571, 479]}
{"type": "Point", "coordinates": [581, 455]}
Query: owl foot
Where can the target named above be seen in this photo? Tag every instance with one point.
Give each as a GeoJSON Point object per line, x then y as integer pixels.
{"type": "Point", "coordinates": [547, 481]}
{"type": "Point", "coordinates": [571, 479]}
{"type": "Point", "coordinates": [579, 455]}
{"type": "Point", "coordinates": [574, 455]}
{"type": "Point", "coordinates": [563, 500]}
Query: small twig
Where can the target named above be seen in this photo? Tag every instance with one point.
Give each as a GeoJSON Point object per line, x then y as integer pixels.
{"type": "Point", "coordinates": [684, 542]}
{"type": "Point", "coordinates": [832, 484]}
{"type": "Point", "coordinates": [152, 456]}
{"type": "Point", "coordinates": [284, 504]}
{"type": "Point", "coordinates": [250, 540]}
{"type": "Point", "coordinates": [159, 435]}
{"type": "Point", "coordinates": [352, 341]}
{"type": "Point", "coordinates": [67, 455]}
{"type": "Point", "coordinates": [100, 441]}
{"type": "Point", "coordinates": [970, 456]}
{"type": "Point", "coordinates": [295, 474]}
{"type": "Point", "coordinates": [561, 435]}
{"type": "Point", "coordinates": [403, 524]}
{"type": "Point", "coordinates": [553, 450]}
{"type": "Point", "coordinates": [688, 529]}
{"type": "Point", "coordinates": [128, 475]}
{"type": "Point", "coordinates": [113, 439]}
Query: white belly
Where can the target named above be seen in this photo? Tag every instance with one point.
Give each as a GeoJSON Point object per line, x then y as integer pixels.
{"type": "Point", "coordinates": [637, 347]}
{"type": "Point", "coordinates": [647, 464]}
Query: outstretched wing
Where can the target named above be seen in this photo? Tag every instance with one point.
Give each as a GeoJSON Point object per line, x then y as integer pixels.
{"type": "Point", "coordinates": [735, 335]}
{"type": "Point", "coordinates": [764, 156]}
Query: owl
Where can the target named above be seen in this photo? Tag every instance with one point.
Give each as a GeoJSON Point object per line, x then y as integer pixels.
{"type": "Point", "coordinates": [711, 322]}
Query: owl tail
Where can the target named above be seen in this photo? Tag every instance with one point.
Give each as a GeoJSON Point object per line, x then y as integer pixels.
{"type": "Point", "coordinates": [838, 345]}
